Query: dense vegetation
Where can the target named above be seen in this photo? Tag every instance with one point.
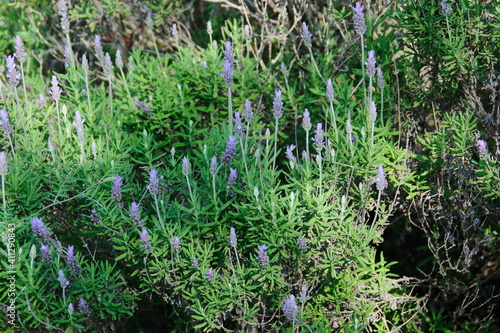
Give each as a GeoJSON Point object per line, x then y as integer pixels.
{"type": "Point", "coordinates": [235, 166]}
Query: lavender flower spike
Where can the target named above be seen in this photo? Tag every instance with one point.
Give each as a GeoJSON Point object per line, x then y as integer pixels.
{"type": "Point", "coordinates": [373, 111]}
{"type": "Point", "coordinates": [483, 148]}
{"type": "Point", "coordinates": [154, 185]}
{"type": "Point", "coordinates": [302, 244]}
{"type": "Point", "coordinates": [62, 279]}
{"type": "Point", "coordinates": [380, 78]}
{"type": "Point", "coordinates": [329, 90]}
{"type": "Point", "coordinates": [3, 164]}
{"type": "Point", "coordinates": [98, 49]}
{"type": "Point", "coordinates": [289, 153]}
{"type": "Point", "coordinates": [73, 265]}
{"type": "Point", "coordinates": [62, 6]}
{"type": "Point", "coordinates": [228, 72]}
{"type": "Point", "coordinates": [232, 238]}
{"type": "Point", "coordinates": [263, 257]}
{"type": "Point", "coordinates": [45, 253]}
{"type": "Point", "coordinates": [230, 152]}
{"type": "Point", "coordinates": [13, 75]}
{"type": "Point", "coordinates": [175, 242]}
{"type": "Point", "coordinates": [445, 8]}
{"type": "Point", "coordinates": [20, 53]}
{"type": "Point", "coordinates": [238, 125]}
{"type": "Point", "coordinates": [55, 92]}
{"type": "Point", "coordinates": [40, 230]}
{"type": "Point", "coordinates": [319, 139]}
{"type": "Point", "coordinates": [135, 214]}
{"type": "Point", "coordinates": [83, 308]}
{"type": "Point", "coordinates": [210, 275]}
{"type": "Point", "coordinates": [306, 121]}
{"type": "Point", "coordinates": [278, 105]}
{"type": "Point", "coordinates": [306, 35]}
{"type": "Point", "coordinates": [186, 166]}
{"type": "Point", "coordinates": [213, 165]}
{"type": "Point", "coordinates": [291, 309]}
{"type": "Point", "coordinates": [371, 63]}
{"type": "Point", "coordinates": [233, 174]}
{"type": "Point", "coordinates": [108, 65]}
{"type": "Point", "coordinates": [359, 19]}
{"type": "Point", "coordinates": [116, 193]}
{"type": "Point", "coordinates": [79, 127]}
{"type": "Point", "coordinates": [228, 52]}
{"type": "Point", "coordinates": [248, 112]}
{"type": "Point", "coordinates": [146, 242]}
{"type": "Point", "coordinates": [381, 181]}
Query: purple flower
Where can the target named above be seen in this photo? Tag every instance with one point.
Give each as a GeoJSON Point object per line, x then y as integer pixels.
{"type": "Point", "coordinates": [135, 214]}
{"type": "Point", "coordinates": [230, 152]}
{"type": "Point", "coordinates": [20, 54]}
{"type": "Point", "coordinates": [371, 63]}
{"type": "Point", "coordinates": [483, 148]}
{"type": "Point", "coordinates": [12, 74]}
{"type": "Point", "coordinates": [45, 253]}
{"type": "Point", "coordinates": [41, 101]}
{"type": "Point", "coordinates": [291, 309]}
{"type": "Point", "coordinates": [303, 295]}
{"type": "Point", "coordinates": [213, 165]}
{"type": "Point", "coordinates": [40, 230]}
{"type": "Point", "coordinates": [83, 307]}
{"type": "Point", "coordinates": [228, 52]}
{"type": "Point", "coordinates": [329, 90]}
{"type": "Point", "coordinates": [62, 7]}
{"type": "Point", "coordinates": [232, 238]}
{"type": "Point", "coordinates": [359, 19]}
{"type": "Point", "coordinates": [174, 30]}
{"type": "Point", "coordinates": [85, 65]}
{"type": "Point", "coordinates": [94, 217]}
{"type": "Point", "coordinates": [145, 241]}
{"type": "Point", "coordinates": [381, 181]}
{"type": "Point", "coordinates": [175, 243]}
{"type": "Point", "coordinates": [210, 275]}
{"type": "Point", "coordinates": [373, 111]}
{"type": "Point", "coordinates": [227, 73]}
{"type": "Point", "coordinates": [445, 8]}
{"type": "Point", "coordinates": [238, 125]}
{"type": "Point", "coordinates": [55, 92]}
{"type": "Point", "coordinates": [119, 60]}
{"type": "Point", "coordinates": [73, 266]}
{"type": "Point", "coordinates": [306, 121]}
{"type": "Point", "coordinates": [233, 174]}
{"type": "Point", "coordinates": [302, 244]}
{"type": "Point", "coordinates": [263, 258]}
{"type": "Point", "coordinates": [186, 166]}
{"type": "Point", "coordinates": [154, 185]}
{"type": "Point", "coordinates": [195, 262]}
{"type": "Point", "coordinates": [67, 56]}
{"type": "Point", "coordinates": [306, 35]}
{"type": "Point", "coordinates": [79, 127]}
{"type": "Point", "coordinates": [319, 139]}
{"type": "Point", "coordinates": [247, 111]}
{"type": "Point", "coordinates": [3, 164]}
{"type": "Point", "coordinates": [108, 65]}
{"type": "Point", "coordinates": [278, 105]}
{"type": "Point", "coordinates": [99, 54]}
{"type": "Point", "coordinates": [62, 279]}
{"type": "Point", "coordinates": [380, 78]}
{"type": "Point", "coordinates": [116, 192]}
{"type": "Point", "coordinates": [289, 152]}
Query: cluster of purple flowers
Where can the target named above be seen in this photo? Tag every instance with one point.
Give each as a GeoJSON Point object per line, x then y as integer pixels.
{"type": "Point", "coordinates": [230, 152]}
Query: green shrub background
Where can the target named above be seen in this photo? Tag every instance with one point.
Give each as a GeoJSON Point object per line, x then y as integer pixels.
{"type": "Point", "coordinates": [370, 208]}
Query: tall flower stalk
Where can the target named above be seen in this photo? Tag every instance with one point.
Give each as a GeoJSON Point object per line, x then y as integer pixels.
{"type": "Point", "coordinates": [3, 173]}
{"type": "Point", "coordinates": [278, 113]}
{"type": "Point", "coordinates": [360, 28]}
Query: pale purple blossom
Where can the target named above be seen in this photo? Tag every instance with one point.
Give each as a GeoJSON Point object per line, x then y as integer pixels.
{"type": "Point", "coordinates": [116, 193]}
{"type": "Point", "coordinates": [175, 32]}
{"type": "Point", "coordinates": [210, 275]}
{"type": "Point", "coordinates": [247, 111]}
{"type": "Point", "coordinates": [154, 184]}
{"type": "Point", "coordinates": [83, 307]}
{"type": "Point", "coordinates": [380, 78]}
{"type": "Point", "coordinates": [20, 53]}
{"type": "Point", "coordinates": [4, 121]}
{"type": "Point", "coordinates": [230, 152]}
{"type": "Point", "coordinates": [229, 53]}
{"type": "Point", "coordinates": [45, 253]}
{"type": "Point", "coordinates": [73, 265]}
{"type": "Point", "coordinates": [373, 111]}
{"type": "Point", "coordinates": [289, 152]}
{"type": "Point", "coordinates": [445, 8]}
{"type": "Point", "coordinates": [233, 174]}
{"type": "Point", "coordinates": [306, 35]}
{"type": "Point", "coordinates": [302, 244]}
{"type": "Point", "coordinates": [145, 240]}
{"type": "Point", "coordinates": [175, 243]}
{"type": "Point", "coordinates": [62, 279]}
{"type": "Point", "coordinates": [359, 19]}
{"type": "Point", "coordinates": [195, 263]}
{"type": "Point", "coordinates": [135, 214]}
{"type": "Point", "coordinates": [62, 7]}
{"type": "Point", "coordinates": [319, 140]}
{"type": "Point", "coordinates": [40, 230]}
{"type": "Point", "coordinates": [371, 64]}
{"type": "Point", "coordinates": [291, 309]}
{"type": "Point", "coordinates": [228, 72]}
{"type": "Point", "coordinates": [13, 75]}
{"type": "Point", "coordinates": [186, 166]}
{"type": "Point", "coordinates": [278, 105]}
{"type": "Point", "coordinates": [306, 121]}
{"type": "Point", "coordinates": [99, 54]}
{"type": "Point", "coordinates": [329, 90]}
{"type": "Point", "coordinates": [119, 60]}
{"type": "Point", "coordinates": [262, 256]}
{"type": "Point", "coordinates": [304, 295]}
{"type": "Point", "coordinates": [232, 238]}
{"type": "Point", "coordinates": [213, 165]}
{"type": "Point", "coordinates": [79, 127]}
{"type": "Point", "coordinates": [483, 148]}
{"type": "Point", "coordinates": [55, 92]}
{"type": "Point", "coordinates": [238, 125]}
{"type": "Point", "coordinates": [108, 65]}
{"type": "Point", "coordinates": [41, 101]}
{"type": "Point", "coordinates": [381, 180]}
